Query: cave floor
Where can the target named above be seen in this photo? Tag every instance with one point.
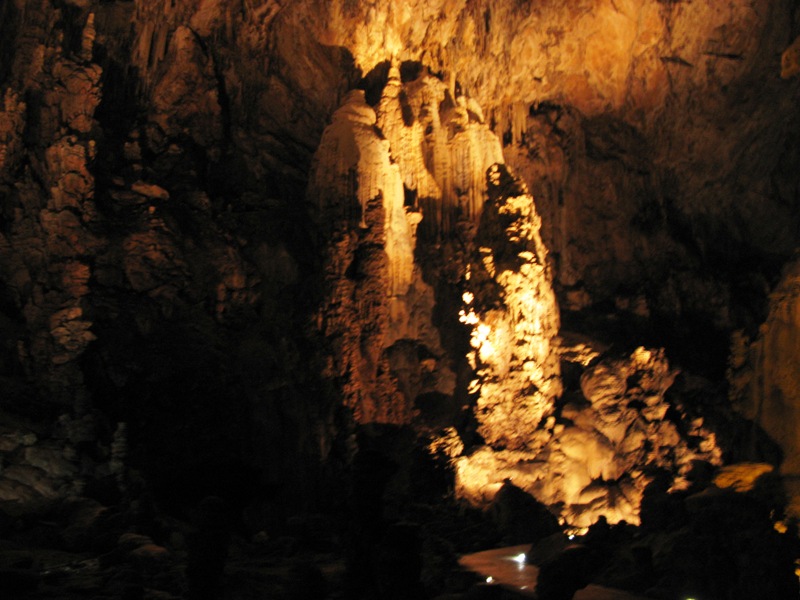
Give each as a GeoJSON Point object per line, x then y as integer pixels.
{"type": "Point", "coordinates": [501, 566]}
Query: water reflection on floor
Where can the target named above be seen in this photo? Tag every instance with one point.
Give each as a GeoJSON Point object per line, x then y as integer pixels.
{"type": "Point", "coordinates": [506, 567]}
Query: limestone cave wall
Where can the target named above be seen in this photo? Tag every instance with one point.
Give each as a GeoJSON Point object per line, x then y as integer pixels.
{"type": "Point", "coordinates": [234, 232]}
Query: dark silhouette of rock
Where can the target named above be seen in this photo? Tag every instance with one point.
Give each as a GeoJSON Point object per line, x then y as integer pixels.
{"type": "Point", "coordinates": [18, 582]}
{"type": "Point", "coordinates": [546, 549]}
{"type": "Point", "coordinates": [520, 517]}
{"type": "Point", "coordinates": [207, 550]}
{"type": "Point", "coordinates": [307, 582]}
{"type": "Point", "coordinates": [566, 573]}
{"type": "Point", "coordinates": [398, 563]}
{"type": "Point", "coordinates": [372, 470]}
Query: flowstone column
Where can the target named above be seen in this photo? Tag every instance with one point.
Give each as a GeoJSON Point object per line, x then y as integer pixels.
{"type": "Point", "coordinates": [369, 240]}
{"type": "Point", "coordinates": [417, 158]}
{"type": "Point", "coordinates": [591, 457]}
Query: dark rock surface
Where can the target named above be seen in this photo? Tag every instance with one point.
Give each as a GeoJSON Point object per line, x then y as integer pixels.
{"type": "Point", "coordinates": [196, 300]}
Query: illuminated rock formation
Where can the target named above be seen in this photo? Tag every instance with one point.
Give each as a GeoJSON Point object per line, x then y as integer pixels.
{"type": "Point", "coordinates": [358, 192]}
{"type": "Point", "coordinates": [594, 459]}
{"type": "Point", "coordinates": [413, 165]}
{"type": "Point", "coordinates": [223, 221]}
{"type": "Point", "coordinates": [510, 304]}
{"type": "Point", "coordinates": [598, 455]}
{"type": "Point", "coordinates": [592, 99]}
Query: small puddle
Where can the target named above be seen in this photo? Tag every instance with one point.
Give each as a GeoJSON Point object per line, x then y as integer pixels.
{"type": "Point", "coordinates": [506, 567]}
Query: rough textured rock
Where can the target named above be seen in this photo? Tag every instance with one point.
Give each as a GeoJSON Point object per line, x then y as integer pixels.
{"type": "Point", "coordinates": [126, 270]}
{"type": "Point", "coordinates": [358, 191]}
{"type": "Point", "coordinates": [174, 258]}
{"type": "Point", "coordinates": [50, 204]}
{"type": "Point", "coordinates": [413, 166]}
{"type": "Point", "coordinates": [39, 473]}
{"type": "Point", "coordinates": [763, 374]}
{"type": "Point", "coordinates": [511, 307]}
{"type": "Point", "coordinates": [597, 458]}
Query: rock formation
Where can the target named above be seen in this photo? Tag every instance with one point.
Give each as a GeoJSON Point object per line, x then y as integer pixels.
{"type": "Point", "coordinates": [510, 304]}
{"type": "Point", "coordinates": [411, 166]}
{"type": "Point", "coordinates": [598, 457]}
{"type": "Point", "coordinates": [592, 460]}
{"type": "Point", "coordinates": [238, 238]}
{"type": "Point", "coordinates": [764, 373]}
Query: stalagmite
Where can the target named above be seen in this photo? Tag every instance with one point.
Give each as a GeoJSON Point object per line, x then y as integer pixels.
{"type": "Point", "coordinates": [359, 194]}
{"type": "Point", "coordinates": [514, 330]}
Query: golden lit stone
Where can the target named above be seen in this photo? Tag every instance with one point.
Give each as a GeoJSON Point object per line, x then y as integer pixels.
{"type": "Point", "coordinates": [790, 60]}
{"type": "Point", "coordinates": [741, 477]}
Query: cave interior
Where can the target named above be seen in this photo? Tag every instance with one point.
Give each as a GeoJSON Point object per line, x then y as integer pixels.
{"type": "Point", "coordinates": [308, 299]}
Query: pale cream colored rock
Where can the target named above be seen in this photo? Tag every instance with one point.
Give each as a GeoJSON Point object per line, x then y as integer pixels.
{"type": "Point", "coordinates": [741, 477]}
{"type": "Point", "coordinates": [515, 346]}
{"type": "Point", "coordinates": [402, 148]}
{"type": "Point", "coordinates": [614, 425]}
{"type": "Point", "coordinates": [596, 467]}
{"type": "Point", "coordinates": [603, 382]}
{"type": "Point", "coordinates": [634, 440]}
